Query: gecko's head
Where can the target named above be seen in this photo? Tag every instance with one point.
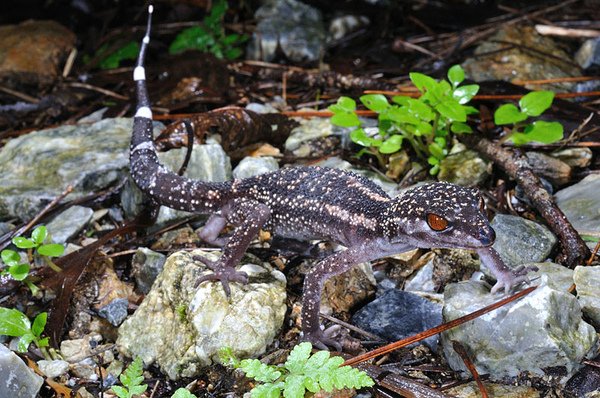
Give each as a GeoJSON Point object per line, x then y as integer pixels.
{"type": "Point", "coordinates": [440, 215]}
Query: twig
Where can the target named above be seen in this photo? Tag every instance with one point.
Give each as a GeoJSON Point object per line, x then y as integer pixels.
{"type": "Point", "coordinates": [19, 94]}
{"type": "Point", "coordinates": [575, 251]}
{"type": "Point", "coordinates": [98, 89]}
{"type": "Point", "coordinates": [549, 30]}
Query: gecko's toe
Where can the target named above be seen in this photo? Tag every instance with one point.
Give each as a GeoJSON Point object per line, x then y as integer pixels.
{"type": "Point", "coordinates": [324, 339]}
{"type": "Point", "coordinates": [224, 275]}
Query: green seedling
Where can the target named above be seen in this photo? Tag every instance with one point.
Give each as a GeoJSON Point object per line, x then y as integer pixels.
{"type": "Point", "coordinates": [426, 123]}
{"type": "Point", "coordinates": [210, 36]}
{"type": "Point", "coordinates": [183, 393]}
{"type": "Point", "coordinates": [300, 373]}
{"type": "Point", "coordinates": [132, 380]}
{"type": "Point", "coordinates": [16, 324]}
{"type": "Point", "coordinates": [530, 105]}
{"type": "Point", "coordinates": [18, 269]}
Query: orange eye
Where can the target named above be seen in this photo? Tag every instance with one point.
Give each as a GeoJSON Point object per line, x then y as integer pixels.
{"type": "Point", "coordinates": [436, 222]}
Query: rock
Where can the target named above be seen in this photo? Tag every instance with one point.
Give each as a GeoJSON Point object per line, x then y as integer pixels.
{"type": "Point", "coordinates": [146, 265]}
{"type": "Point", "coordinates": [398, 164]}
{"type": "Point", "coordinates": [519, 337]}
{"type": "Point", "coordinates": [470, 390]}
{"type": "Point", "coordinates": [181, 328]}
{"type": "Point", "coordinates": [585, 383]}
{"type": "Point", "coordinates": [398, 314]}
{"type": "Point", "coordinates": [32, 52]}
{"type": "Point", "coordinates": [342, 293]}
{"type": "Point", "coordinates": [251, 166]}
{"type": "Point", "coordinates": [300, 36]}
{"type": "Point", "coordinates": [53, 369]}
{"type": "Point", "coordinates": [37, 167]}
{"type": "Point", "coordinates": [574, 157]}
{"type": "Point", "coordinates": [520, 241]}
{"type": "Point", "coordinates": [496, 60]}
{"type": "Point", "coordinates": [587, 280]}
{"type": "Point", "coordinates": [208, 163]}
{"type": "Point", "coordinates": [112, 296]}
{"type": "Point", "coordinates": [341, 26]}
{"type": "Point", "coordinates": [308, 129]}
{"type": "Point", "coordinates": [181, 237]}
{"type": "Point", "coordinates": [589, 53]}
{"type": "Point", "coordinates": [16, 378]}
{"type": "Point", "coordinates": [67, 224]}
{"type": "Point", "coordinates": [77, 350]}
{"type": "Point", "coordinates": [552, 169]}
{"type": "Point", "coordinates": [559, 276]}
{"type": "Point", "coordinates": [581, 205]}
{"type": "Point", "coordinates": [464, 168]}
{"type": "Point", "coordinates": [422, 281]}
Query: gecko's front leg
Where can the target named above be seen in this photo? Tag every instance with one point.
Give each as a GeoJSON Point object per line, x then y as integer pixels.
{"type": "Point", "coordinates": [506, 278]}
{"type": "Point", "coordinates": [248, 216]}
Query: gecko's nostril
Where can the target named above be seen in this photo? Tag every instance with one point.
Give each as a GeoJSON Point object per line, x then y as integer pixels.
{"type": "Point", "coordinates": [487, 236]}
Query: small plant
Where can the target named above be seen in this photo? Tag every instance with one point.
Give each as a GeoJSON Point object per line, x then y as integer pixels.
{"type": "Point", "coordinates": [19, 270]}
{"type": "Point", "coordinates": [113, 59]}
{"type": "Point", "coordinates": [530, 105]}
{"type": "Point", "coordinates": [16, 324]}
{"type": "Point", "coordinates": [183, 393]}
{"type": "Point", "coordinates": [131, 379]}
{"type": "Point", "coordinates": [425, 123]}
{"type": "Point", "coordinates": [300, 373]}
{"type": "Point", "coordinates": [210, 36]}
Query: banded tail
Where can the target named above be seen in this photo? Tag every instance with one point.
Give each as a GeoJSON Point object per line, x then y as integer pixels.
{"type": "Point", "coordinates": [164, 186]}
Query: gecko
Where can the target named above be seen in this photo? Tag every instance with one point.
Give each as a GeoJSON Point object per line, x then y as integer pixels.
{"type": "Point", "coordinates": [314, 203]}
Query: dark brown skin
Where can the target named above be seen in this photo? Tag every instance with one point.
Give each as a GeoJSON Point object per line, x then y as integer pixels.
{"type": "Point", "coordinates": [309, 203]}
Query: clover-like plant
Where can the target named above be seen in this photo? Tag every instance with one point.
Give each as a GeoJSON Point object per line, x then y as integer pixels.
{"type": "Point", "coordinates": [300, 373]}
{"type": "Point", "coordinates": [425, 123]}
{"type": "Point", "coordinates": [523, 132]}
{"type": "Point", "coordinates": [16, 324]}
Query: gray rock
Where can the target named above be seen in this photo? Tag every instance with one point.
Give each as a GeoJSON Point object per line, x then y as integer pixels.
{"type": "Point", "coordinates": [587, 280]}
{"type": "Point", "coordinates": [581, 205]}
{"type": "Point", "coordinates": [252, 166]}
{"type": "Point", "coordinates": [37, 167]}
{"type": "Point", "coordinates": [464, 168]}
{"type": "Point", "coordinates": [398, 314]}
{"type": "Point", "coordinates": [208, 163]}
{"type": "Point", "coordinates": [542, 333]}
{"type": "Point", "coordinates": [589, 53]}
{"type": "Point", "coordinates": [300, 35]}
{"type": "Point", "coordinates": [78, 349]}
{"type": "Point", "coordinates": [67, 224]}
{"type": "Point", "coordinates": [520, 241]}
{"type": "Point", "coordinates": [422, 281]}
{"type": "Point", "coordinates": [559, 276]}
{"type": "Point", "coordinates": [181, 328]}
{"type": "Point", "coordinates": [471, 390]}
{"type": "Point", "coordinates": [115, 312]}
{"type": "Point", "coordinates": [574, 157]}
{"type": "Point", "coordinates": [341, 26]}
{"type": "Point", "coordinates": [146, 266]}
{"type": "Point", "coordinates": [17, 379]}
{"type": "Point", "coordinates": [550, 168]}
{"type": "Point", "coordinates": [54, 368]}
{"type": "Point", "coordinates": [307, 129]}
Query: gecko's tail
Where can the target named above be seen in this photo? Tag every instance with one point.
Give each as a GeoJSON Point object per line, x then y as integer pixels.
{"type": "Point", "coordinates": [163, 185]}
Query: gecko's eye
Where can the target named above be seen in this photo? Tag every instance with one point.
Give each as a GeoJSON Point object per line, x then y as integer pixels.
{"type": "Point", "coordinates": [437, 223]}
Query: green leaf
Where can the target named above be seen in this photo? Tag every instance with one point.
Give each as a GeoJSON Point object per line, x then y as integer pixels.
{"type": "Point", "coordinates": [508, 114]}
{"type": "Point", "coordinates": [432, 160]}
{"type": "Point", "coordinates": [375, 102]}
{"type": "Point", "coordinates": [138, 390]}
{"type": "Point", "coordinates": [13, 322]}
{"type": "Point", "coordinates": [19, 271]}
{"type": "Point", "coordinates": [39, 234]}
{"type": "Point", "coordinates": [259, 371]}
{"type": "Point", "coordinates": [132, 376]}
{"type": "Point", "coordinates": [51, 250]}
{"type": "Point", "coordinates": [402, 100]}
{"type": "Point", "coordinates": [317, 360]}
{"type": "Point", "coordinates": [298, 357]}
{"type": "Point", "coordinates": [345, 119]}
{"type": "Point", "coordinates": [434, 170]}
{"type": "Point", "coordinates": [43, 342]}
{"type": "Point", "coordinates": [128, 51]}
{"type": "Point", "coordinates": [423, 128]}
{"type": "Point", "coordinates": [460, 128]}
{"type": "Point", "coordinates": [470, 110]}
{"type": "Point", "coordinates": [268, 390]}
{"type": "Point", "coordinates": [391, 145]}
{"type": "Point", "coordinates": [436, 151]}
{"type": "Point", "coordinates": [452, 110]}
{"type": "Point", "coordinates": [192, 38]}
{"type": "Point", "coordinates": [39, 323]}
{"type": "Point", "coordinates": [24, 341]}
{"type": "Point", "coordinates": [540, 131]}
{"type": "Point", "coordinates": [312, 385]}
{"type": "Point", "coordinates": [535, 103]}
{"type": "Point", "coordinates": [121, 392]}
{"type": "Point", "coordinates": [400, 115]}
{"type": "Point", "coordinates": [456, 75]}
{"type": "Point", "coordinates": [420, 109]}
{"type": "Point", "coordinates": [422, 82]}
{"type": "Point", "coordinates": [359, 137]}
{"type": "Point", "coordinates": [183, 393]}
{"type": "Point", "coordinates": [10, 257]}
{"type": "Point", "coordinates": [346, 103]}
{"type": "Point", "coordinates": [23, 243]}
{"type": "Point", "coordinates": [294, 387]}
{"type": "Point", "coordinates": [464, 94]}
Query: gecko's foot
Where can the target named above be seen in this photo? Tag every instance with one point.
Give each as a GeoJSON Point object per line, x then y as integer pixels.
{"type": "Point", "coordinates": [509, 280]}
{"type": "Point", "coordinates": [323, 339]}
{"type": "Point", "coordinates": [221, 273]}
